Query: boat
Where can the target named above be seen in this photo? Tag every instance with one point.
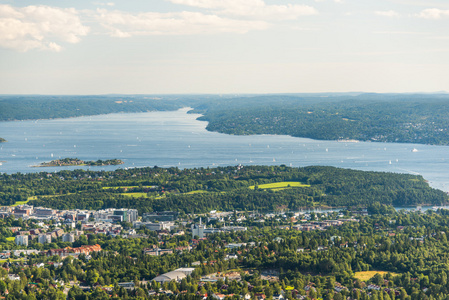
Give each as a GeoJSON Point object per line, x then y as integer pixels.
{"type": "Point", "coordinates": [415, 150]}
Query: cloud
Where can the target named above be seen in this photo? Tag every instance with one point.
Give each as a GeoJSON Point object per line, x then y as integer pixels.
{"type": "Point", "coordinates": [251, 8]}
{"type": "Point", "coordinates": [388, 13]}
{"type": "Point", "coordinates": [39, 27]}
{"type": "Point", "coordinates": [122, 24]}
{"type": "Point", "coordinates": [48, 28]}
{"type": "Point", "coordinates": [433, 13]}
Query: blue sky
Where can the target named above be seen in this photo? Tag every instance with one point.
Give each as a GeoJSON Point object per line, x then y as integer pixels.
{"type": "Point", "coordinates": [223, 46]}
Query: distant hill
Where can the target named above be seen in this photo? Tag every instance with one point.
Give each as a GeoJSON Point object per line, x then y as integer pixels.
{"type": "Point", "coordinates": [400, 118]}
{"type": "Point", "coordinates": [50, 107]}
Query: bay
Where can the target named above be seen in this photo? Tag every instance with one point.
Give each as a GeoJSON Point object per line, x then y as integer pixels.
{"type": "Point", "coordinates": [177, 139]}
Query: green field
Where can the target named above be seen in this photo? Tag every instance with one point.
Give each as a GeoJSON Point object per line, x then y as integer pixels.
{"type": "Point", "coordinates": [195, 192]}
{"type": "Point", "coordinates": [135, 195]}
{"type": "Point", "coordinates": [125, 187]}
{"type": "Point", "coordinates": [367, 275]}
{"type": "Point", "coordinates": [24, 202]}
{"type": "Point", "coordinates": [280, 185]}
{"type": "Point", "coordinates": [10, 239]}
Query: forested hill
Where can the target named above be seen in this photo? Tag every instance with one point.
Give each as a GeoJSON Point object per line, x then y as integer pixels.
{"type": "Point", "coordinates": [49, 107]}
{"type": "Point", "coordinates": [367, 117]}
{"type": "Point", "coordinates": [403, 118]}
{"type": "Point", "coordinates": [263, 188]}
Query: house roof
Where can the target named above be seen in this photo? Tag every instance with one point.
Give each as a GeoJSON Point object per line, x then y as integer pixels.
{"type": "Point", "coordinates": [173, 275]}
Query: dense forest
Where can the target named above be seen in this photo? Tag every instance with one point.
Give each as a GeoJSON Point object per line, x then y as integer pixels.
{"type": "Point", "coordinates": [224, 188]}
{"type": "Point", "coordinates": [367, 117]}
{"type": "Point", "coordinates": [50, 107]}
{"type": "Point", "coordinates": [404, 118]}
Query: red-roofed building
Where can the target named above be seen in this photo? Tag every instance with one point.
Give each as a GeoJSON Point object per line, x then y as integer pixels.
{"type": "Point", "coordinates": [86, 249]}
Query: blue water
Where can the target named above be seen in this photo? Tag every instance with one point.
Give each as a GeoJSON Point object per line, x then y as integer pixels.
{"type": "Point", "coordinates": [177, 139]}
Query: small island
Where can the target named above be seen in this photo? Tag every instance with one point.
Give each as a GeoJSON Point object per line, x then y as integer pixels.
{"type": "Point", "coordinates": [2, 140]}
{"type": "Point", "coordinates": [70, 162]}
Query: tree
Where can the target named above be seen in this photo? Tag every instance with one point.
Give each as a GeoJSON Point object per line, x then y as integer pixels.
{"type": "Point", "coordinates": [92, 277]}
{"type": "Point", "coordinates": [3, 286]}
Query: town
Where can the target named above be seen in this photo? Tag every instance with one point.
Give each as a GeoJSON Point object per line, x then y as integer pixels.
{"type": "Point", "coordinates": [217, 252]}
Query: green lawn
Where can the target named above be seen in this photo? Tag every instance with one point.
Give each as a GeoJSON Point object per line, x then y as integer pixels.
{"type": "Point", "coordinates": [24, 202]}
{"type": "Point", "coordinates": [280, 185]}
{"type": "Point", "coordinates": [195, 192]}
{"type": "Point", "coordinates": [367, 275]}
{"type": "Point", "coordinates": [124, 187]}
{"type": "Point", "coordinates": [135, 195]}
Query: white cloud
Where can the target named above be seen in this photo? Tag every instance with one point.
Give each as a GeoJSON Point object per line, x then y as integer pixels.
{"type": "Point", "coordinates": [251, 8]}
{"type": "Point", "coordinates": [121, 24]}
{"type": "Point", "coordinates": [387, 13]}
{"type": "Point", "coordinates": [39, 27]}
{"type": "Point", "coordinates": [433, 13]}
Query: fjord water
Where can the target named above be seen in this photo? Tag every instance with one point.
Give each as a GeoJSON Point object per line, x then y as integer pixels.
{"type": "Point", "coordinates": [177, 139]}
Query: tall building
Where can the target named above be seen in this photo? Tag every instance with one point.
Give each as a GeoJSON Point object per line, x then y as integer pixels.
{"type": "Point", "coordinates": [22, 240]}
{"type": "Point", "coordinates": [129, 215]}
{"type": "Point", "coordinates": [198, 230]}
{"type": "Point", "coordinates": [68, 237]}
{"type": "Point", "coordinates": [160, 216]}
{"type": "Point", "coordinates": [44, 238]}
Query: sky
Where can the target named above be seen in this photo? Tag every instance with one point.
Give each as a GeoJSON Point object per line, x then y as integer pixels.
{"type": "Point", "coordinates": [223, 46]}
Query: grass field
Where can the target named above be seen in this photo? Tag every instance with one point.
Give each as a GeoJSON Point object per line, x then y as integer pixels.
{"type": "Point", "coordinates": [135, 195]}
{"type": "Point", "coordinates": [24, 202]}
{"type": "Point", "coordinates": [281, 185]}
{"type": "Point", "coordinates": [10, 239]}
{"type": "Point", "coordinates": [366, 275]}
{"type": "Point", "coordinates": [124, 187]}
{"type": "Point", "coordinates": [11, 260]}
{"type": "Point", "coordinates": [195, 192]}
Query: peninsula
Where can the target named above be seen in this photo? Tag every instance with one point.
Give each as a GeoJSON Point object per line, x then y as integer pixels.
{"type": "Point", "coordinates": [70, 162]}
{"type": "Point", "coordinates": [2, 140]}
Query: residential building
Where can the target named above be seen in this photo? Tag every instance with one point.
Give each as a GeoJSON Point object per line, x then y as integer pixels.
{"type": "Point", "coordinates": [21, 240]}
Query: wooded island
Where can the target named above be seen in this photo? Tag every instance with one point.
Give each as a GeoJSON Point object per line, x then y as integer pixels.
{"type": "Point", "coordinates": [70, 162]}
